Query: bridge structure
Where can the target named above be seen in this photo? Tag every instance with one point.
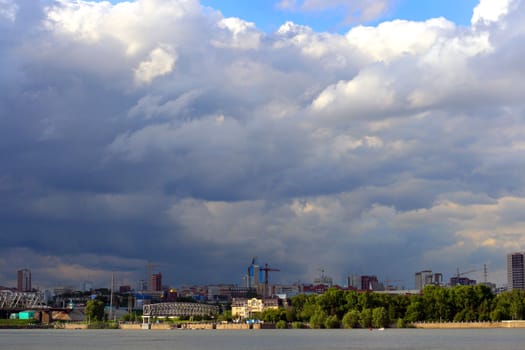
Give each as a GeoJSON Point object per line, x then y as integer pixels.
{"type": "Point", "coordinates": [166, 310]}
{"type": "Point", "coordinates": [18, 301]}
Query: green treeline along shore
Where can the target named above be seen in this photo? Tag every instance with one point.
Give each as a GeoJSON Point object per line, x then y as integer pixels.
{"type": "Point", "coordinates": [350, 309]}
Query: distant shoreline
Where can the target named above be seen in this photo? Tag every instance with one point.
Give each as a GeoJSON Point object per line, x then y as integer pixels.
{"type": "Point", "coordinates": [468, 325]}
{"type": "Point", "coordinates": [237, 326]}
{"type": "Point", "coordinates": [232, 326]}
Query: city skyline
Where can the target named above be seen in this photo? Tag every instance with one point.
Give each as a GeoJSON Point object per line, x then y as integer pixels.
{"type": "Point", "coordinates": [257, 277]}
{"type": "Point", "coordinates": [353, 139]}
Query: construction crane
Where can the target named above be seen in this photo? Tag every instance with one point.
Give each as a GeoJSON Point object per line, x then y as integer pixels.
{"type": "Point", "coordinates": [267, 269]}
{"type": "Point", "coordinates": [459, 274]}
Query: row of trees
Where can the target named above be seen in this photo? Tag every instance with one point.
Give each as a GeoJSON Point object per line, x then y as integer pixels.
{"type": "Point", "coordinates": [350, 309]}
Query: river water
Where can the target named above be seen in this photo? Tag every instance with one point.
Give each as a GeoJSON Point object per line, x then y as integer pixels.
{"type": "Point", "coordinates": [478, 339]}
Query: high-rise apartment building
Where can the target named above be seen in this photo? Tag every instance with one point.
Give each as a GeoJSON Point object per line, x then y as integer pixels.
{"type": "Point", "coordinates": [24, 280]}
{"type": "Point", "coordinates": [426, 277]}
{"type": "Point", "coordinates": [156, 282]}
{"type": "Point", "coordinates": [370, 283]}
{"type": "Point", "coordinates": [255, 276]}
{"type": "Point", "coordinates": [515, 271]}
{"type": "Point", "coordinates": [354, 281]}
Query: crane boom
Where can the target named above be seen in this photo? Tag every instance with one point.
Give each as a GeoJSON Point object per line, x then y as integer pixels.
{"type": "Point", "coordinates": [266, 269]}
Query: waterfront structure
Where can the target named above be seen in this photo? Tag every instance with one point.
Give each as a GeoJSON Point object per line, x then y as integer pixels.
{"type": "Point", "coordinates": [10, 300]}
{"type": "Point", "coordinates": [24, 280]}
{"type": "Point", "coordinates": [170, 310]}
{"type": "Point", "coordinates": [245, 308]}
{"type": "Point", "coordinates": [515, 271]}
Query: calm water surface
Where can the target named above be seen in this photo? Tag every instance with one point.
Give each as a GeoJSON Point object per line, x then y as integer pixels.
{"type": "Point", "coordinates": [486, 339]}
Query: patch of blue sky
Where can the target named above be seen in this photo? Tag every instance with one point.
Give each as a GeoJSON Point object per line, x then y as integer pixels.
{"type": "Point", "coordinates": [268, 17]}
{"type": "Point", "coordinates": [457, 11]}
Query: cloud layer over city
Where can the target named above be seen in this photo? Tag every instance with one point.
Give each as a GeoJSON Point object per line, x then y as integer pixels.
{"type": "Point", "coordinates": [159, 130]}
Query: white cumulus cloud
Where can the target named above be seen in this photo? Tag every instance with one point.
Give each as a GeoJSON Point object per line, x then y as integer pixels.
{"type": "Point", "coordinates": [161, 61]}
{"type": "Point", "coordinates": [163, 117]}
{"type": "Point", "coordinates": [488, 11]}
{"type": "Point", "coordinates": [241, 34]}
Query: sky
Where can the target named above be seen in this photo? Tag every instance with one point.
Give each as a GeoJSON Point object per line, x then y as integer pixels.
{"type": "Point", "coordinates": [340, 15]}
{"type": "Point", "coordinates": [350, 137]}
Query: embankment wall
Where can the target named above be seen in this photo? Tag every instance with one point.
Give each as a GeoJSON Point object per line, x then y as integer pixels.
{"type": "Point", "coordinates": [73, 325]}
{"type": "Point", "coordinates": [234, 326]}
{"type": "Point", "coordinates": [130, 326]}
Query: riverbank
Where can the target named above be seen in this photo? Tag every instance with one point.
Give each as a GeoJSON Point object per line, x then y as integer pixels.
{"type": "Point", "coordinates": [21, 324]}
{"type": "Point", "coordinates": [182, 326]}
{"type": "Point", "coordinates": [468, 325]}
{"type": "Point", "coordinates": [245, 326]}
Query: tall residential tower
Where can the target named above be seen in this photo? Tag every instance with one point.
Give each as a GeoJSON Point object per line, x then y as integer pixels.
{"type": "Point", "coordinates": [515, 271]}
{"type": "Point", "coordinates": [24, 280]}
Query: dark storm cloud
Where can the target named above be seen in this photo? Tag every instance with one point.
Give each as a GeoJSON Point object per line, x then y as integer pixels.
{"type": "Point", "coordinates": [160, 131]}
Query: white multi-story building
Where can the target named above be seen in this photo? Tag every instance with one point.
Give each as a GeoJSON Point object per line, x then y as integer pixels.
{"type": "Point", "coordinates": [354, 281]}
{"type": "Point", "coordinates": [423, 278]}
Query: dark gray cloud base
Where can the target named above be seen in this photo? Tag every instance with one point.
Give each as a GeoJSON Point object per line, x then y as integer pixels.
{"type": "Point", "coordinates": [161, 131]}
